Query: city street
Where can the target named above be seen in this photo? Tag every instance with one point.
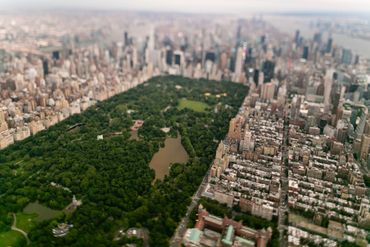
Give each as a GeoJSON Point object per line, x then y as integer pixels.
{"type": "Point", "coordinates": [283, 208]}
{"type": "Point", "coordinates": [181, 229]}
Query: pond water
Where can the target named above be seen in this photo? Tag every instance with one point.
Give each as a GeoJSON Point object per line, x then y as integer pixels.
{"type": "Point", "coordinates": [43, 213]}
{"type": "Point", "coordinates": [172, 152]}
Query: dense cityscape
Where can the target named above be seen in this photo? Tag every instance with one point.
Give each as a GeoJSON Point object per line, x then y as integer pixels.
{"type": "Point", "coordinates": [160, 129]}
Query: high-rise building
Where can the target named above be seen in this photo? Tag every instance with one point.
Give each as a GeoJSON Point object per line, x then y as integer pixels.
{"type": "Point", "coordinates": [256, 76]}
{"type": "Point", "coordinates": [347, 56]}
{"type": "Point", "coordinates": [223, 61]}
{"type": "Point", "coordinates": [177, 59]}
{"type": "Point", "coordinates": [365, 144]}
{"type": "Point", "coordinates": [267, 91]}
{"type": "Point", "coordinates": [56, 55]}
{"type": "Point", "coordinates": [305, 52]}
{"type": "Point", "coordinates": [263, 39]}
{"type": "Point", "coordinates": [239, 63]}
{"type": "Point", "coordinates": [297, 37]}
{"type": "Point", "coordinates": [125, 39]}
{"type": "Point", "coordinates": [3, 124]}
{"type": "Point", "coordinates": [235, 128]}
{"type": "Point", "coordinates": [360, 120]}
{"type": "Point", "coordinates": [211, 56]}
{"type": "Point", "coordinates": [249, 56]}
{"type": "Point", "coordinates": [169, 56]}
{"type": "Point", "coordinates": [2, 56]}
{"type": "Point", "coordinates": [317, 37]}
{"type": "Point", "coordinates": [357, 59]}
{"type": "Point", "coordinates": [268, 68]}
{"type": "Point", "coordinates": [329, 45]}
{"type": "Point", "coordinates": [367, 127]}
{"type": "Point", "coordinates": [45, 67]}
{"type": "Point", "coordinates": [327, 87]}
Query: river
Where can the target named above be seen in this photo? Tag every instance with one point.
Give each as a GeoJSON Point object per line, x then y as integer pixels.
{"type": "Point", "coordinates": [289, 24]}
{"type": "Point", "coordinates": [172, 152]}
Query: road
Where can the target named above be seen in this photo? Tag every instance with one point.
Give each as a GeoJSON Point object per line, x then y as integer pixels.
{"type": "Point", "coordinates": [181, 228]}
{"type": "Point", "coordinates": [15, 228]}
{"type": "Point", "coordinates": [283, 205]}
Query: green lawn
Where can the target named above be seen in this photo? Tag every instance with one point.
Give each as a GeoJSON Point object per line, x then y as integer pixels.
{"type": "Point", "coordinates": [26, 221]}
{"type": "Point", "coordinates": [11, 238]}
{"type": "Point", "coordinates": [192, 105]}
{"type": "Point", "coordinates": [40, 211]}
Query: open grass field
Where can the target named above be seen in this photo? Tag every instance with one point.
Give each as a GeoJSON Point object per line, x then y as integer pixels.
{"type": "Point", "coordinates": [11, 238]}
{"type": "Point", "coordinates": [192, 105]}
{"type": "Point", "coordinates": [26, 221]}
{"type": "Point", "coordinates": [40, 212]}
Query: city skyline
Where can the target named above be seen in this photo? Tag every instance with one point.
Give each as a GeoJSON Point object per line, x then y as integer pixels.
{"type": "Point", "coordinates": [168, 123]}
{"type": "Point", "coordinates": [193, 6]}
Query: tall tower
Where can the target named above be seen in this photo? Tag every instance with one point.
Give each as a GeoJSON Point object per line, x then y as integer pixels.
{"type": "Point", "coordinates": [346, 56]}
{"type": "Point", "coordinates": [327, 87]}
{"type": "Point", "coordinates": [329, 45]}
{"type": "Point", "coordinates": [268, 69]}
{"type": "Point", "coordinates": [239, 61]}
{"type": "Point", "coordinates": [3, 124]}
{"type": "Point", "coordinates": [297, 37]}
{"type": "Point", "coordinates": [305, 52]}
{"type": "Point", "coordinates": [365, 144]}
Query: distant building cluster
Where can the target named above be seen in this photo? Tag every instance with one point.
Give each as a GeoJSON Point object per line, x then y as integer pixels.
{"type": "Point", "coordinates": [298, 152]}
{"type": "Point", "coordinates": [48, 74]}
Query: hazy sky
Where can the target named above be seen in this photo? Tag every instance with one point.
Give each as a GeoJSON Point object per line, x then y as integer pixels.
{"type": "Point", "coordinates": [202, 6]}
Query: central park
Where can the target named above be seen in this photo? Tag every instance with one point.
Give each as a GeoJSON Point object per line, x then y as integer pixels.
{"type": "Point", "coordinates": [122, 182]}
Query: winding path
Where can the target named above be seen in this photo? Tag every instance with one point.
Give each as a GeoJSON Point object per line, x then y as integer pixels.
{"type": "Point", "coordinates": [15, 228]}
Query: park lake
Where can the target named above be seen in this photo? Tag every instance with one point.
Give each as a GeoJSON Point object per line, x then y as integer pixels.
{"type": "Point", "coordinates": [172, 152]}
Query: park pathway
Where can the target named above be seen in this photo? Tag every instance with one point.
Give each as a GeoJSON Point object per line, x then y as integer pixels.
{"type": "Point", "coordinates": [15, 228]}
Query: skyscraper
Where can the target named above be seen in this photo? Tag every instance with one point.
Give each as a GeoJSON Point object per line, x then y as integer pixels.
{"type": "Point", "coordinates": [365, 143]}
{"type": "Point", "coordinates": [268, 91]}
{"type": "Point", "coordinates": [125, 39]}
{"type": "Point", "coordinates": [305, 52]}
{"type": "Point", "coordinates": [347, 56]}
{"type": "Point", "coordinates": [249, 55]}
{"type": "Point", "coordinates": [56, 55]}
{"type": "Point", "coordinates": [169, 56]}
{"type": "Point", "coordinates": [45, 66]}
{"type": "Point", "coordinates": [239, 63]}
{"type": "Point", "coordinates": [178, 58]}
{"type": "Point", "coordinates": [317, 38]}
{"type": "Point", "coordinates": [268, 68]}
{"type": "Point", "coordinates": [297, 38]}
{"type": "Point", "coordinates": [329, 45]}
{"type": "Point", "coordinates": [223, 61]}
{"type": "Point", "coordinates": [327, 87]}
{"type": "Point", "coordinates": [357, 59]}
{"type": "Point", "coordinates": [263, 39]}
{"type": "Point", "coordinates": [256, 76]}
{"type": "Point", "coordinates": [211, 56]}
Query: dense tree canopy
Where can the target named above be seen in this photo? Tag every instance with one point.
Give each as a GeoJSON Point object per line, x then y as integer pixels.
{"type": "Point", "coordinates": [112, 176]}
